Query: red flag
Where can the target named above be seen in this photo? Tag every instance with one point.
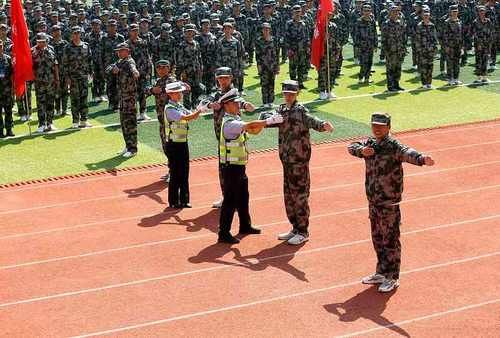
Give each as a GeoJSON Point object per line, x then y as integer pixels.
{"type": "Point", "coordinates": [21, 51]}
{"type": "Point", "coordinates": [318, 41]}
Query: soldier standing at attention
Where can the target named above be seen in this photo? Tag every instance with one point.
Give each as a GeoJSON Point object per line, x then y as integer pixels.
{"type": "Point", "coordinates": [127, 78]}
{"type": "Point", "coordinates": [94, 39]}
{"type": "Point", "coordinates": [483, 32]}
{"type": "Point", "coordinates": [139, 51]}
{"type": "Point", "coordinates": [61, 97]}
{"type": "Point", "coordinates": [46, 71]}
{"type": "Point", "coordinates": [161, 98]}
{"type": "Point", "coordinates": [109, 43]}
{"type": "Point", "coordinates": [230, 54]}
{"type": "Point", "coordinates": [295, 42]}
{"type": "Point", "coordinates": [164, 46]}
{"type": "Point", "coordinates": [426, 43]}
{"type": "Point", "coordinates": [176, 138]}
{"type": "Point", "coordinates": [76, 68]}
{"type": "Point", "coordinates": [384, 156]}
{"type": "Point", "coordinates": [453, 44]}
{"type": "Point", "coordinates": [366, 41]}
{"type": "Point", "coordinates": [325, 80]}
{"type": "Point", "coordinates": [233, 157]}
{"type": "Point", "coordinates": [6, 93]}
{"type": "Point", "coordinates": [267, 64]}
{"type": "Point", "coordinates": [295, 153]}
{"type": "Point", "coordinates": [207, 42]}
{"type": "Point", "coordinates": [394, 45]}
{"type": "Point", "coordinates": [189, 65]}
{"type": "Point", "coordinates": [224, 78]}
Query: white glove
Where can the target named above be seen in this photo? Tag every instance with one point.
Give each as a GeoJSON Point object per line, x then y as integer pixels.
{"type": "Point", "coordinates": [274, 119]}
{"type": "Point", "coordinates": [202, 108]}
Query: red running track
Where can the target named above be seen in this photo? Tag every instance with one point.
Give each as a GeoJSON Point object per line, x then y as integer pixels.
{"type": "Point", "coordinates": [102, 256]}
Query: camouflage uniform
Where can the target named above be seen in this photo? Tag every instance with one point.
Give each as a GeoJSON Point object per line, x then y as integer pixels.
{"type": "Point", "coordinates": [44, 68]}
{"type": "Point", "coordinates": [394, 45]}
{"type": "Point", "coordinates": [109, 43]}
{"type": "Point", "coordinates": [426, 42]}
{"type": "Point", "coordinates": [6, 94]}
{"type": "Point", "coordinates": [366, 41]}
{"type": "Point", "coordinates": [296, 37]}
{"type": "Point", "coordinates": [252, 16]}
{"type": "Point", "coordinates": [95, 43]}
{"type": "Point", "coordinates": [127, 94]}
{"type": "Point", "coordinates": [189, 69]}
{"type": "Point", "coordinates": [343, 36]}
{"type": "Point", "coordinates": [453, 43]}
{"type": "Point", "coordinates": [268, 65]}
{"type": "Point", "coordinates": [76, 69]}
{"type": "Point", "coordinates": [483, 33]}
{"type": "Point", "coordinates": [62, 95]}
{"type": "Point", "coordinates": [384, 187]}
{"type": "Point", "coordinates": [335, 47]}
{"type": "Point", "coordinates": [413, 20]}
{"type": "Point", "coordinates": [207, 44]}
{"type": "Point", "coordinates": [164, 47]}
{"type": "Point", "coordinates": [466, 16]}
{"type": "Point", "coordinates": [230, 53]}
{"type": "Point", "coordinates": [295, 153]}
{"type": "Point", "coordinates": [139, 51]}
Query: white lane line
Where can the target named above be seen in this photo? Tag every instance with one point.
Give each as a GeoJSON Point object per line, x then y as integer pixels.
{"type": "Point", "coordinates": [421, 133]}
{"type": "Point", "coordinates": [326, 188]}
{"type": "Point", "coordinates": [274, 173]}
{"type": "Point", "coordinates": [236, 264]}
{"type": "Point", "coordinates": [279, 298]}
{"type": "Point", "coordinates": [418, 319]}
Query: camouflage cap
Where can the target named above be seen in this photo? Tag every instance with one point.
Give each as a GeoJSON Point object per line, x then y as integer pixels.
{"type": "Point", "coordinates": [266, 25]}
{"type": "Point", "coordinates": [124, 3]}
{"type": "Point", "coordinates": [55, 28]}
{"type": "Point", "coordinates": [76, 29]}
{"type": "Point", "coordinates": [382, 119]}
{"type": "Point", "coordinates": [185, 16]}
{"type": "Point", "coordinates": [417, 3]}
{"type": "Point", "coordinates": [112, 22]}
{"type": "Point", "coordinates": [157, 16]}
{"type": "Point", "coordinates": [3, 26]}
{"type": "Point", "coordinates": [367, 6]}
{"type": "Point", "coordinates": [227, 24]}
{"type": "Point", "coordinates": [290, 86]}
{"type": "Point", "coordinates": [163, 63]}
{"type": "Point", "coordinates": [481, 8]}
{"type": "Point", "coordinates": [231, 20]}
{"type": "Point", "coordinates": [204, 21]}
{"type": "Point", "coordinates": [96, 22]}
{"type": "Point", "coordinates": [296, 8]}
{"type": "Point", "coordinates": [105, 13]}
{"type": "Point", "coordinates": [190, 27]}
{"type": "Point", "coordinates": [134, 27]}
{"type": "Point", "coordinates": [426, 10]}
{"type": "Point", "coordinates": [122, 46]}
{"type": "Point", "coordinates": [145, 20]}
{"type": "Point", "coordinates": [166, 27]}
{"type": "Point", "coordinates": [453, 8]}
{"type": "Point", "coordinates": [223, 72]}
{"type": "Point", "coordinates": [41, 37]}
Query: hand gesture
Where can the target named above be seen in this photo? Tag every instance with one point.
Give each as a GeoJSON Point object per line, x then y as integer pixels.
{"type": "Point", "coordinates": [249, 107]}
{"type": "Point", "coordinates": [367, 151]}
{"type": "Point", "coordinates": [136, 74]}
{"type": "Point", "coordinates": [328, 126]}
{"type": "Point", "coordinates": [428, 160]}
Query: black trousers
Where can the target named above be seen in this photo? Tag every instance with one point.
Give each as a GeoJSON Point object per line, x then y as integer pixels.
{"type": "Point", "coordinates": [235, 198]}
{"type": "Point", "coordinates": [178, 187]}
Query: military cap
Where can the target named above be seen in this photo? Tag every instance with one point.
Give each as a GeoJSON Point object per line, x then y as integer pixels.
{"type": "Point", "coordinates": [426, 10]}
{"type": "Point", "coordinates": [143, 5]}
{"type": "Point", "coordinates": [81, 11]}
{"type": "Point", "coordinates": [124, 3]}
{"type": "Point", "coordinates": [144, 20]}
{"type": "Point", "coordinates": [37, 9]}
{"type": "Point", "coordinates": [417, 3]}
{"type": "Point", "coordinates": [367, 6]}
{"type": "Point", "coordinates": [132, 14]}
{"type": "Point", "coordinates": [382, 119]}
{"type": "Point", "coordinates": [231, 20]}
{"type": "Point", "coordinates": [134, 27]}
{"type": "Point", "coordinates": [76, 29]}
{"type": "Point", "coordinates": [302, 3]}
{"type": "Point", "coordinates": [223, 72]}
{"type": "Point", "coordinates": [115, 11]}
{"type": "Point", "coordinates": [190, 27]}
{"type": "Point", "coordinates": [296, 8]}
{"type": "Point", "coordinates": [227, 24]}
{"type": "Point", "coordinates": [393, 8]}
{"type": "Point", "coordinates": [96, 22]}
{"type": "Point", "coordinates": [203, 21]}
{"type": "Point", "coordinates": [175, 87]}
{"type": "Point", "coordinates": [177, 18]}
{"type": "Point", "coordinates": [163, 63]}
{"type": "Point", "coordinates": [122, 46]}
{"type": "Point", "coordinates": [481, 8]}
{"type": "Point", "coordinates": [3, 15]}
{"type": "Point", "coordinates": [123, 16]}
{"type": "Point", "coordinates": [73, 15]}
{"type": "Point", "coordinates": [41, 23]}
{"type": "Point", "coordinates": [41, 37]}
{"type": "Point", "coordinates": [232, 98]}
{"type": "Point", "coordinates": [55, 28]}
{"type": "Point", "coordinates": [266, 25]}
{"type": "Point", "coordinates": [166, 27]}
{"type": "Point", "coordinates": [157, 16]}
{"type": "Point", "coordinates": [290, 86]}
{"type": "Point", "coordinates": [453, 8]}
{"type": "Point", "coordinates": [3, 26]}
{"type": "Point", "coordinates": [54, 13]}
{"type": "Point", "coordinates": [104, 13]}
{"type": "Point", "coordinates": [112, 22]}
{"type": "Point", "coordinates": [185, 16]}
{"type": "Point", "coordinates": [214, 16]}
{"type": "Point", "coordinates": [268, 4]}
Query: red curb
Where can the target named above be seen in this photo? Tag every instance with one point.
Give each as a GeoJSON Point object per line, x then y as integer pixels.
{"type": "Point", "coordinates": [116, 171]}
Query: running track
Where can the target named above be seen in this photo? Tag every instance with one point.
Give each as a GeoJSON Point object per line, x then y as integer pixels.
{"type": "Point", "coordinates": [101, 256]}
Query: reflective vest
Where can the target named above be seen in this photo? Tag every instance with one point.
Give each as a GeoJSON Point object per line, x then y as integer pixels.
{"type": "Point", "coordinates": [176, 131]}
{"type": "Point", "coordinates": [233, 151]}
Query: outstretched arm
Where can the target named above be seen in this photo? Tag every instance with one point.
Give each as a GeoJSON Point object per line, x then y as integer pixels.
{"type": "Point", "coordinates": [410, 155]}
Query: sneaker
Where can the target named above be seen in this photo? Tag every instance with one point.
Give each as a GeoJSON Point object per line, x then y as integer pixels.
{"type": "Point", "coordinates": [458, 83]}
{"type": "Point", "coordinates": [376, 278]}
{"type": "Point", "coordinates": [85, 124]}
{"type": "Point", "coordinates": [323, 95]}
{"type": "Point", "coordinates": [116, 111]}
{"type": "Point", "coordinates": [332, 96]}
{"type": "Point", "coordinates": [143, 117]}
{"type": "Point", "coordinates": [492, 67]}
{"type": "Point", "coordinates": [361, 81]}
{"type": "Point", "coordinates": [40, 129]}
{"type": "Point", "coordinates": [287, 235]}
{"type": "Point", "coordinates": [428, 86]}
{"type": "Point", "coordinates": [298, 239]}
{"type": "Point", "coordinates": [217, 204]}
{"type": "Point", "coordinates": [479, 79]}
{"type": "Point", "coordinates": [104, 99]}
{"type": "Point", "coordinates": [24, 118]}
{"type": "Point", "coordinates": [388, 285]}
{"type": "Point", "coordinates": [75, 125]}
{"type": "Point", "coordinates": [485, 80]}
{"type": "Point", "coordinates": [129, 154]}
{"type": "Point", "coordinates": [123, 151]}
{"type": "Point", "coordinates": [51, 127]}
{"type": "Point", "coordinates": [98, 99]}
{"type": "Point", "coordinates": [414, 67]}
{"type": "Point", "coordinates": [451, 82]}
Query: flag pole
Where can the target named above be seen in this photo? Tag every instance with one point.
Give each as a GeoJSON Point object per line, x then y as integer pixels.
{"type": "Point", "coordinates": [328, 55]}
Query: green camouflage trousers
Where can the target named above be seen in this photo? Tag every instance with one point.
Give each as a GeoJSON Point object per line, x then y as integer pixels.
{"type": "Point", "coordinates": [128, 121]}
{"type": "Point", "coordinates": [296, 185]}
{"type": "Point", "coordinates": [385, 221]}
{"type": "Point", "coordinates": [79, 91]}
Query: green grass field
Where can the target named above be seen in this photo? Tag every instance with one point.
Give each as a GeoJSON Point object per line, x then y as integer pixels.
{"type": "Point", "coordinates": [69, 152]}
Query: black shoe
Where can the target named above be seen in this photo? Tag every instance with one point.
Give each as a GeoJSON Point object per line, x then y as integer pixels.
{"type": "Point", "coordinates": [250, 231]}
{"type": "Point", "coordinates": [399, 88]}
{"type": "Point", "coordinates": [228, 239]}
{"type": "Point", "coordinates": [186, 205]}
{"type": "Point", "coordinates": [392, 89]}
{"type": "Point", "coordinates": [10, 133]}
